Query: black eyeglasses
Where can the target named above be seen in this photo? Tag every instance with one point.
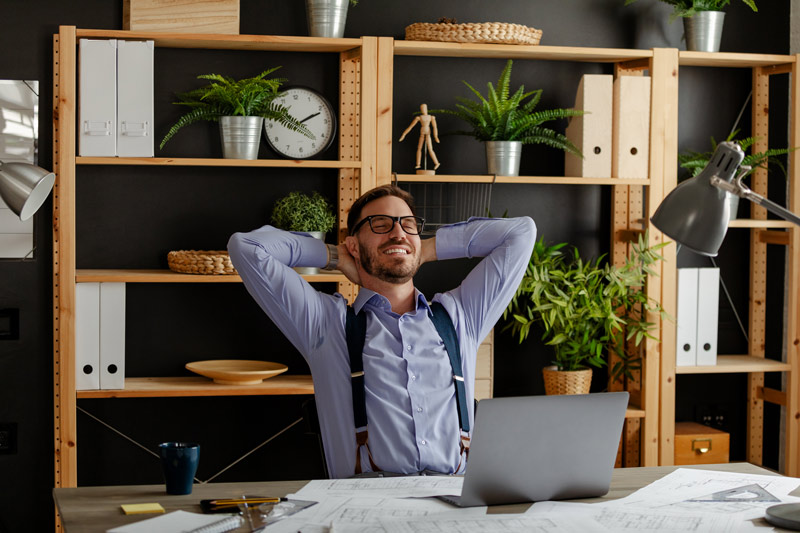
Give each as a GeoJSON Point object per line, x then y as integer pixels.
{"type": "Point", "coordinates": [384, 224]}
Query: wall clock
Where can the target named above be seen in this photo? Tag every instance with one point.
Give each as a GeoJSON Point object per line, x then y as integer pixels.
{"type": "Point", "coordinates": [312, 109]}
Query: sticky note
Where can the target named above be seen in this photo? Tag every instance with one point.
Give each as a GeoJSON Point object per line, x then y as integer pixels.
{"type": "Point", "coordinates": [142, 508]}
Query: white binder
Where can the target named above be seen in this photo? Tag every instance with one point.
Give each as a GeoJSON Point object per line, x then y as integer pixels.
{"type": "Point", "coordinates": [97, 98]}
{"type": "Point", "coordinates": [631, 127]}
{"type": "Point", "coordinates": [135, 98]}
{"type": "Point", "coordinates": [591, 132]}
{"type": "Point", "coordinates": [707, 315]}
{"type": "Point", "coordinates": [87, 336]}
{"type": "Point", "coordinates": [112, 335]}
{"type": "Point", "coordinates": [686, 330]}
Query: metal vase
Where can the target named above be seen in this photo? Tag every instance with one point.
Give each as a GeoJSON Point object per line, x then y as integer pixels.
{"type": "Point", "coordinates": [733, 205]}
{"type": "Point", "coordinates": [703, 31]}
{"type": "Point", "coordinates": [503, 157]}
{"type": "Point", "coordinates": [311, 270]}
{"type": "Point", "coordinates": [240, 136]}
{"type": "Point", "coordinates": [326, 18]}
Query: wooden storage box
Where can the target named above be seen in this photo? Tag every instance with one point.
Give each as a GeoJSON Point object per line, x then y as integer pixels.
{"type": "Point", "coordinates": [697, 444]}
{"type": "Point", "coordinates": [181, 16]}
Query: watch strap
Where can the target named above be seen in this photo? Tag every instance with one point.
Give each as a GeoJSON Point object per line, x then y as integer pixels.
{"type": "Point", "coordinates": [333, 257]}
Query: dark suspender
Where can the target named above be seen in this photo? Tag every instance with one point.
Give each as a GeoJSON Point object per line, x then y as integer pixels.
{"type": "Point", "coordinates": [356, 332]}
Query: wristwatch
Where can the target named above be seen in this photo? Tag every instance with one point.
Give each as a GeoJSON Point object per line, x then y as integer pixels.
{"type": "Point", "coordinates": [333, 257]}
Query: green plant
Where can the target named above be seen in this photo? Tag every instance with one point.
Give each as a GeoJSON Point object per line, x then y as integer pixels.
{"type": "Point", "coordinates": [688, 8]}
{"type": "Point", "coordinates": [586, 308]}
{"type": "Point", "coordinates": [225, 96]}
{"type": "Point", "coordinates": [695, 162]}
{"type": "Point", "coordinates": [300, 212]}
{"type": "Point", "coordinates": [501, 116]}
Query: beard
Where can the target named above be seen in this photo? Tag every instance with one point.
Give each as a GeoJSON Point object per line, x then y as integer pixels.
{"type": "Point", "coordinates": [395, 272]}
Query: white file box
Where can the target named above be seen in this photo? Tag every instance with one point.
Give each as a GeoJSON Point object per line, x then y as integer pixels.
{"type": "Point", "coordinates": [97, 98]}
{"type": "Point", "coordinates": [112, 335]}
{"type": "Point", "coordinates": [707, 315]}
{"type": "Point", "coordinates": [87, 336]}
{"type": "Point", "coordinates": [591, 132]}
{"type": "Point", "coordinates": [686, 330]}
{"type": "Point", "coordinates": [631, 127]}
{"type": "Point", "coordinates": [135, 98]}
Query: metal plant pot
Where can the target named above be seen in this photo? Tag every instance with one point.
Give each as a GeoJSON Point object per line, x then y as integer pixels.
{"type": "Point", "coordinates": [311, 270]}
{"type": "Point", "coordinates": [326, 18]}
{"type": "Point", "coordinates": [703, 31]}
{"type": "Point", "coordinates": [503, 157]}
{"type": "Point", "coordinates": [733, 205]}
{"type": "Point", "coordinates": [240, 136]}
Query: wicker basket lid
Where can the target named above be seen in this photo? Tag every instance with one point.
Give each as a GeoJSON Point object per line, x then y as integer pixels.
{"type": "Point", "coordinates": [216, 262]}
{"type": "Point", "coordinates": [482, 32]}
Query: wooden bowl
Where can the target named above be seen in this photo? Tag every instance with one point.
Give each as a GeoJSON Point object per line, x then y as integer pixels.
{"type": "Point", "coordinates": [236, 371]}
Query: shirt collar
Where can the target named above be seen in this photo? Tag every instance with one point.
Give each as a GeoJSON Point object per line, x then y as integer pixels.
{"type": "Point", "coordinates": [367, 296]}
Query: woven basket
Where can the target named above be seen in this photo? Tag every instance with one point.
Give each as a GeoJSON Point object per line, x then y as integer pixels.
{"type": "Point", "coordinates": [215, 262]}
{"type": "Point", "coordinates": [566, 382]}
{"type": "Point", "coordinates": [484, 32]}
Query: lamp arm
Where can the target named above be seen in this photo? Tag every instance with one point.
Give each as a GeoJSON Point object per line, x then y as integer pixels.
{"type": "Point", "coordinates": [740, 189]}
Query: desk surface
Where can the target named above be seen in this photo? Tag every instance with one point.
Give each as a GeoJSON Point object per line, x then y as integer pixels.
{"type": "Point", "coordinates": [96, 509]}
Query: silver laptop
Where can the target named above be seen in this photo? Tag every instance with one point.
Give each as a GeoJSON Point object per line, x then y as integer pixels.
{"type": "Point", "coordinates": [534, 448]}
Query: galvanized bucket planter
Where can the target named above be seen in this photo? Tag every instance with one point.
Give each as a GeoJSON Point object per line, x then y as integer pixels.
{"type": "Point", "coordinates": [503, 157]}
{"type": "Point", "coordinates": [703, 31]}
{"type": "Point", "coordinates": [326, 18]}
{"type": "Point", "coordinates": [240, 136]}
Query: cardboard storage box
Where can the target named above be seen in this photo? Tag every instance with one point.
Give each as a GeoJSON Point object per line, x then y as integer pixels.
{"type": "Point", "coordinates": [181, 16]}
{"type": "Point", "coordinates": [696, 444]}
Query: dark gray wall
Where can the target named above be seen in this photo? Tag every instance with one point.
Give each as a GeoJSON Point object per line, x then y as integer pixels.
{"type": "Point", "coordinates": [130, 217]}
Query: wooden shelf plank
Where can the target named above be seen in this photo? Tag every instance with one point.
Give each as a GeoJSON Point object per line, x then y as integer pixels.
{"type": "Point", "coordinates": [547, 180]}
{"type": "Point", "coordinates": [634, 412]}
{"type": "Point", "coordinates": [731, 364]}
{"type": "Point", "coordinates": [751, 223]}
{"type": "Point", "coordinates": [516, 51]}
{"type": "Point", "coordinates": [168, 276]}
{"type": "Point", "coordinates": [216, 162]}
{"type": "Point", "coordinates": [200, 386]}
{"type": "Point", "coordinates": [213, 41]}
{"type": "Point", "coordinates": [730, 59]}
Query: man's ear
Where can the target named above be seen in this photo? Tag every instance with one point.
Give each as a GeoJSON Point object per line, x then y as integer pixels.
{"type": "Point", "coordinates": [352, 245]}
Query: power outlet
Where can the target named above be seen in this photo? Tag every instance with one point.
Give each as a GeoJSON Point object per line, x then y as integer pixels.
{"type": "Point", "coordinates": [8, 438]}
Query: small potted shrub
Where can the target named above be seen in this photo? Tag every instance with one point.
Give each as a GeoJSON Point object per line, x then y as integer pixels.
{"type": "Point", "coordinates": [585, 310]}
{"type": "Point", "coordinates": [240, 107]}
{"type": "Point", "coordinates": [312, 214]}
{"type": "Point", "coordinates": [506, 121]}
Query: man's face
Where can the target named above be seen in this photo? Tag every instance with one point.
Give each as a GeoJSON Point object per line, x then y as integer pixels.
{"type": "Point", "coordinates": [391, 257]}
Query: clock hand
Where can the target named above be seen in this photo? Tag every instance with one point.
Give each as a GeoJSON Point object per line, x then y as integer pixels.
{"type": "Point", "coordinates": [309, 117]}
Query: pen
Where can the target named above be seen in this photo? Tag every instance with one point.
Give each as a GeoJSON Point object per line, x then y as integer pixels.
{"type": "Point", "coordinates": [229, 501]}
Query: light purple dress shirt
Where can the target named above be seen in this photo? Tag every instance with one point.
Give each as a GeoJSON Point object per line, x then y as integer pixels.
{"type": "Point", "coordinates": [410, 397]}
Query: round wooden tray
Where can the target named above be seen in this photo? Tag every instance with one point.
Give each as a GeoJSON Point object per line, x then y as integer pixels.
{"type": "Point", "coordinates": [236, 371]}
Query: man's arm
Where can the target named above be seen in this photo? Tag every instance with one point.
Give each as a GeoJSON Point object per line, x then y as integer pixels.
{"type": "Point", "coordinates": [264, 259]}
{"type": "Point", "coordinates": [506, 245]}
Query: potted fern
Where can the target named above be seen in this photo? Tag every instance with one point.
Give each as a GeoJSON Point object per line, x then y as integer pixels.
{"type": "Point", "coordinates": [506, 121]}
{"type": "Point", "coordinates": [240, 107]}
{"type": "Point", "coordinates": [298, 211]}
{"type": "Point", "coordinates": [585, 309]}
{"type": "Point", "coordinates": [702, 21]}
{"type": "Point", "coordinates": [695, 162]}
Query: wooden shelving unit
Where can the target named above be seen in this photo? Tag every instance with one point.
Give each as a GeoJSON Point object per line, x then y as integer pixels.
{"type": "Point", "coordinates": [528, 180]}
{"type": "Point", "coordinates": [762, 233]}
{"type": "Point", "coordinates": [356, 172]}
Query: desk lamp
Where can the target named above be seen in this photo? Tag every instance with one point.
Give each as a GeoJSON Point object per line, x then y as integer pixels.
{"type": "Point", "coordinates": [24, 187]}
{"type": "Point", "coordinates": [695, 214]}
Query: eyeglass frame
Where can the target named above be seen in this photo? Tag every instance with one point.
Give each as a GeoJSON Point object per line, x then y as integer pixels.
{"type": "Point", "coordinates": [395, 220]}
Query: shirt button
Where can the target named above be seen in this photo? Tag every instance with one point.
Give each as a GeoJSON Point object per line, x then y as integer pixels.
{"type": "Point", "coordinates": [408, 347]}
{"type": "Point", "coordinates": [419, 409]}
{"type": "Point", "coordinates": [413, 378]}
{"type": "Point", "coordinates": [423, 442]}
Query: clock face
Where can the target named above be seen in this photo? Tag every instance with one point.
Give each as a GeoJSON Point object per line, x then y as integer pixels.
{"type": "Point", "coordinates": [315, 112]}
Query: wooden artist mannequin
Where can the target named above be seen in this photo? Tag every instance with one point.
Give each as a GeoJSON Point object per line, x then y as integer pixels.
{"type": "Point", "coordinates": [427, 125]}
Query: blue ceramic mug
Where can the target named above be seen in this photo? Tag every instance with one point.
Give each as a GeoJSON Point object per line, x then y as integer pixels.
{"type": "Point", "coordinates": [179, 462]}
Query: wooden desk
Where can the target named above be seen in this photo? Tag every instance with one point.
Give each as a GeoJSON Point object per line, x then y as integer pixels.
{"type": "Point", "coordinates": [96, 509]}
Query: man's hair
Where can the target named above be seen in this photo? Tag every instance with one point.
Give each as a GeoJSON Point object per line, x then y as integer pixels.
{"type": "Point", "coordinates": [354, 216]}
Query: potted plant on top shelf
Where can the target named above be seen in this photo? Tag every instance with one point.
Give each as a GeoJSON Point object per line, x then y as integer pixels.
{"type": "Point", "coordinates": [695, 162]}
{"type": "Point", "coordinates": [312, 214]}
{"type": "Point", "coordinates": [240, 107]}
{"type": "Point", "coordinates": [506, 121]}
{"type": "Point", "coordinates": [702, 21]}
{"type": "Point", "coordinates": [327, 18]}
{"type": "Point", "coordinates": [586, 309]}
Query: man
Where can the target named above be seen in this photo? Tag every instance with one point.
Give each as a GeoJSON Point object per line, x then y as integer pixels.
{"type": "Point", "coordinates": [410, 398]}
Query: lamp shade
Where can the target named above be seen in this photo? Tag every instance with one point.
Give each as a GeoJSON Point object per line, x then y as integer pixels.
{"type": "Point", "coordinates": [695, 214]}
{"type": "Point", "coordinates": [24, 187]}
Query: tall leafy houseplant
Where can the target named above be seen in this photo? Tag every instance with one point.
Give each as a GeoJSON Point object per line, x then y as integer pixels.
{"type": "Point", "coordinates": [586, 308]}
{"type": "Point", "coordinates": [695, 162]}
{"type": "Point", "coordinates": [227, 97]}
{"type": "Point", "coordinates": [503, 116]}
